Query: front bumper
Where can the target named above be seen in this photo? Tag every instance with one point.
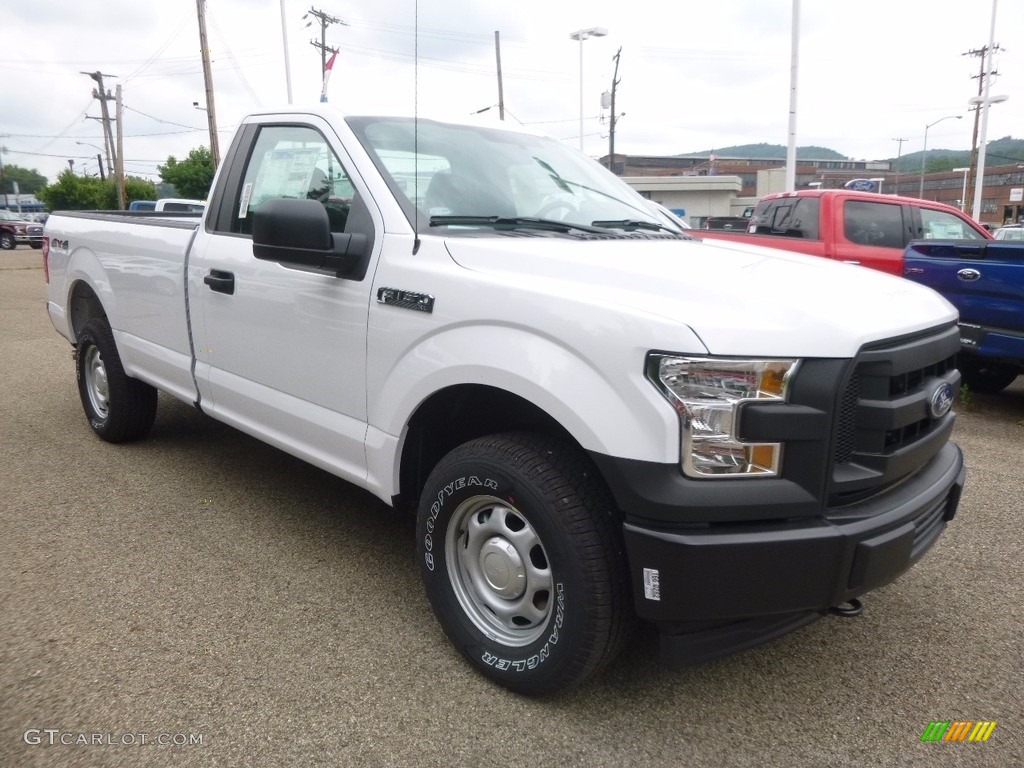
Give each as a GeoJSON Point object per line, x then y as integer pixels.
{"type": "Point", "coordinates": [1005, 344]}
{"type": "Point", "coordinates": [31, 236]}
{"type": "Point", "coordinates": [717, 589]}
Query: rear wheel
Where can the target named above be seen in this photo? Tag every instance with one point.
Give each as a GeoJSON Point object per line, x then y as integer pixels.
{"type": "Point", "coordinates": [983, 375]}
{"type": "Point", "coordinates": [119, 408]}
{"type": "Point", "coordinates": [521, 555]}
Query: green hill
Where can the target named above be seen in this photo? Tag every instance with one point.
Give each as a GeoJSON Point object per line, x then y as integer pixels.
{"type": "Point", "coordinates": [769, 151]}
{"type": "Point", "coordinates": [999, 152]}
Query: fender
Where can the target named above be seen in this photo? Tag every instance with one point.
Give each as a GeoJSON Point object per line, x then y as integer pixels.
{"type": "Point", "coordinates": [84, 266]}
{"type": "Point", "coordinates": [619, 414]}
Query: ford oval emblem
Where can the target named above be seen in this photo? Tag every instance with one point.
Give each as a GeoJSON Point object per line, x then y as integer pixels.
{"type": "Point", "coordinates": [941, 400]}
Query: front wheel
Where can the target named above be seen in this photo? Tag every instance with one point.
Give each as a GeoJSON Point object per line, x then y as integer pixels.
{"type": "Point", "coordinates": [7, 241]}
{"type": "Point", "coordinates": [119, 408]}
{"type": "Point", "coordinates": [521, 556]}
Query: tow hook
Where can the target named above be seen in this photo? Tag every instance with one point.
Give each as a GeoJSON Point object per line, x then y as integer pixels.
{"type": "Point", "coordinates": [848, 610]}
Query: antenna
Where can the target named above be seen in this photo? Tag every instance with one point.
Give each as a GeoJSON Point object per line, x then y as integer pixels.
{"type": "Point", "coordinates": [416, 128]}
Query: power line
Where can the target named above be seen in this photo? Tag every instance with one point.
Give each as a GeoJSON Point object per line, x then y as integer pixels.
{"type": "Point", "coordinates": [234, 64]}
{"type": "Point", "coordinates": [167, 122]}
{"type": "Point", "coordinates": [161, 49]}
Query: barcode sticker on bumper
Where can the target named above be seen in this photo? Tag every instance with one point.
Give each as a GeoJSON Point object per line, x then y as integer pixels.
{"type": "Point", "coordinates": [652, 584]}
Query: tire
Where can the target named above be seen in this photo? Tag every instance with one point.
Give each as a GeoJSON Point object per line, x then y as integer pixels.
{"type": "Point", "coordinates": [119, 408]}
{"type": "Point", "coordinates": [981, 375]}
{"type": "Point", "coordinates": [7, 241]}
{"type": "Point", "coordinates": [37, 246]}
{"type": "Point", "coordinates": [553, 604]}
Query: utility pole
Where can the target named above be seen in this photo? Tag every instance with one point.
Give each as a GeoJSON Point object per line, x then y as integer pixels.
{"type": "Point", "coordinates": [211, 112]}
{"type": "Point", "coordinates": [325, 21]}
{"type": "Point", "coordinates": [501, 90]}
{"type": "Point", "coordinates": [983, 105]}
{"type": "Point", "coordinates": [972, 163]}
{"type": "Point", "coordinates": [104, 96]}
{"type": "Point", "coordinates": [899, 154]}
{"type": "Point", "coordinates": [119, 166]}
{"type": "Point", "coordinates": [614, 117]}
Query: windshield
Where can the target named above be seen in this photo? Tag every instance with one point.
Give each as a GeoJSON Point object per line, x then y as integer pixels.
{"type": "Point", "coordinates": [461, 178]}
{"type": "Point", "coordinates": [8, 216]}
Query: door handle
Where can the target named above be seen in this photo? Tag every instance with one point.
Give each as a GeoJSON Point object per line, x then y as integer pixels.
{"type": "Point", "coordinates": [969, 275]}
{"type": "Point", "coordinates": [221, 282]}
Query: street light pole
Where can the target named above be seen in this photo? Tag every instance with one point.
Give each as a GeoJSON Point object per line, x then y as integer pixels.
{"type": "Point", "coordinates": [982, 103]}
{"type": "Point", "coordinates": [924, 150]}
{"type": "Point", "coordinates": [581, 35]}
{"type": "Point", "coordinates": [963, 193]}
{"type": "Point", "coordinates": [99, 161]}
{"type": "Point", "coordinates": [979, 178]}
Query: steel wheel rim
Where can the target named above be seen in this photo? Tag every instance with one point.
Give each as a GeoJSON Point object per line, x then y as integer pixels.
{"type": "Point", "coordinates": [499, 570]}
{"type": "Point", "coordinates": [96, 383]}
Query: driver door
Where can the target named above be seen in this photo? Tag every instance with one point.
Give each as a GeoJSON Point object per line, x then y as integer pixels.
{"type": "Point", "coordinates": [280, 351]}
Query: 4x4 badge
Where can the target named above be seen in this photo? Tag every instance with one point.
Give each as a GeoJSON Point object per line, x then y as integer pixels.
{"type": "Point", "coordinates": [941, 400]}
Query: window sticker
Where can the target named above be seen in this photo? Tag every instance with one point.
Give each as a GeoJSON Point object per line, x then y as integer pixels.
{"type": "Point", "coordinates": [243, 204]}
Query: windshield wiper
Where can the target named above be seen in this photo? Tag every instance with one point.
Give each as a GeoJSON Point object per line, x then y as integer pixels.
{"type": "Point", "coordinates": [511, 222]}
{"type": "Point", "coordinates": [631, 225]}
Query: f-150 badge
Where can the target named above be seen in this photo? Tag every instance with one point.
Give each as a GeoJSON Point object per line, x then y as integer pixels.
{"type": "Point", "coordinates": [396, 297]}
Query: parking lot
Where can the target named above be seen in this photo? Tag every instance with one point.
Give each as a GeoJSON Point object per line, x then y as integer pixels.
{"type": "Point", "coordinates": [202, 599]}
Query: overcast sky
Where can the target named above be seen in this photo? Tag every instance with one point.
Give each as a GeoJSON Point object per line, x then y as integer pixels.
{"type": "Point", "coordinates": [695, 75]}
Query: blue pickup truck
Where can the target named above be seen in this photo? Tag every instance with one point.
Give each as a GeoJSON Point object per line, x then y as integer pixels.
{"type": "Point", "coordinates": [984, 279]}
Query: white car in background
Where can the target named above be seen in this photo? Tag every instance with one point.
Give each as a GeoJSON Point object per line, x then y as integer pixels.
{"type": "Point", "coordinates": [1011, 232]}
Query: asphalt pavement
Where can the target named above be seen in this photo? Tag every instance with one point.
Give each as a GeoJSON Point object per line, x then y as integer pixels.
{"type": "Point", "coordinates": [202, 599]}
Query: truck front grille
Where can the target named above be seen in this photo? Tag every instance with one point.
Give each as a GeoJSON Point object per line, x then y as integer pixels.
{"type": "Point", "coordinates": [884, 428]}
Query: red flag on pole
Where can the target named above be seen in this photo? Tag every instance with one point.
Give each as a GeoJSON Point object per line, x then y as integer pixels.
{"type": "Point", "coordinates": [327, 75]}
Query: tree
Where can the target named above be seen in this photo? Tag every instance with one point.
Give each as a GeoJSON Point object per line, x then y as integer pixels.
{"type": "Point", "coordinates": [29, 182]}
{"type": "Point", "coordinates": [940, 164]}
{"type": "Point", "coordinates": [138, 189]}
{"type": "Point", "coordinates": [75, 193]}
{"type": "Point", "coordinates": [81, 193]}
{"type": "Point", "coordinates": [192, 176]}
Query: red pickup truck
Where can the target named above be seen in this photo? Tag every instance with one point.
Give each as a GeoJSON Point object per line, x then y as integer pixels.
{"type": "Point", "coordinates": [856, 227]}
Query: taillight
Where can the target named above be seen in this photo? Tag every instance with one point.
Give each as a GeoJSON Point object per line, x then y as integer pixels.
{"type": "Point", "coordinates": [46, 258]}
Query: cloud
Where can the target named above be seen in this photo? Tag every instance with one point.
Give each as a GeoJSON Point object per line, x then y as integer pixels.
{"type": "Point", "coordinates": [693, 76]}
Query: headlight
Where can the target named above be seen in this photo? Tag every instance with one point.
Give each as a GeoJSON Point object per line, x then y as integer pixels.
{"type": "Point", "coordinates": [707, 394]}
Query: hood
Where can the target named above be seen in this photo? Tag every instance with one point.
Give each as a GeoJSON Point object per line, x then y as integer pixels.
{"type": "Point", "coordinates": [738, 299]}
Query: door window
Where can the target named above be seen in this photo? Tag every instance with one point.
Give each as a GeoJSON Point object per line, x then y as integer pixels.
{"type": "Point", "coordinates": [942, 225]}
{"type": "Point", "coordinates": [875, 224]}
{"type": "Point", "coordinates": [296, 162]}
{"type": "Point", "coordinates": [787, 217]}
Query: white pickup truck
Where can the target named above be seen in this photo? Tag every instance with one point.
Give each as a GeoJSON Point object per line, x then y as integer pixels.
{"type": "Point", "coordinates": [596, 417]}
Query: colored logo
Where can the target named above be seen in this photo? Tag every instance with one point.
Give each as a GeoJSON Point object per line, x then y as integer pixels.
{"type": "Point", "coordinates": [958, 730]}
{"type": "Point", "coordinates": [941, 400]}
{"type": "Point", "coordinates": [861, 185]}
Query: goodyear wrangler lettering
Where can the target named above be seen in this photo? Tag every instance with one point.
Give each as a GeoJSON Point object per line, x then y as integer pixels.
{"type": "Point", "coordinates": [532, 662]}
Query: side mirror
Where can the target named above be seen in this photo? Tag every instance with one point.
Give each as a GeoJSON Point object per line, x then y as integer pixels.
{"type": "Point", "coordinates": [298, 233]}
